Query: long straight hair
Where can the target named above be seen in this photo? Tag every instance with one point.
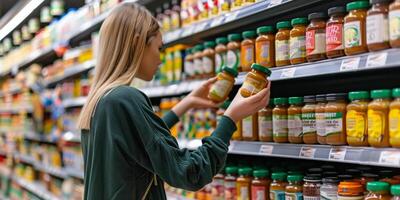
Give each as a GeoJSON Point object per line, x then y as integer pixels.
{"type": "Point", "coordinates": [123, 37]}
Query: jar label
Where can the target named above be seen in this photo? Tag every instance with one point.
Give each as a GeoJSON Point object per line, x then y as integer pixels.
{"type": "Point", "coordinates": [377, 29]}
{"type": "Point", "coordinates": [282, 50]}
{"type": "Point", "coordinates": [315, 42]}
{"type": "Point", "coordinates": [189, 68]}
{"type": "Point", "coordinates": [356, 125]}
{"type": "Point", "coordinates": [217, 191]}
{"type": "Point", "coordinates": [198, 66]}
{"type": "Point", "coordinates": [247, 56]}
{"type": "Point", "coordinates": [221, 88]}
{"type": "Point", "coordinates": [295, 127]}
{"type": "Point", "coordinates": [247, 130]}
{"type": "Point", "coordinates": [376, 123]}
{"type": "Point", "coordinates": [233, 60]}
{"type": "Point", "coordinates": [311, 197]}
{"type": "Point", "coordinates": [308, 121]}
{"type": "Point", "coordinates": [394, 24]}
{"type": "Point", "coordinates": [262, 53]}
{"type": "Point", "coordinates": [224, 4]}
{"type": "Point", "coordinates": [334, 37]}
{"type": "Point", "coordinates": [166, 24]}
{"type": "Point", "coordinates": [394, 123]}
{"type": "Point", "coordinates": [220, 60]}
{"type": "Point", "coordinates": [320, 124]}
{"type": "Point", "coordinates": [297, 47]}
{"type": "Point", "coordinates": [329, 193]}
{"type": "Point", "coordinates": [208, 65]}
{"type": "Point", "coordinates": [265, 126]}
{"type": "Point", "coordinates": [175, 20]}
{"type": "Point", "coordinates": [258, 192]}
{"type": "Point", "coordinates": [277, 195]}
{"type": "Point", "coordinates": [252, 85]}
{"type": "Point", "coordinates": [333, 123]}
{"type": "Point", "coordinates": [280, 125]}
{"type": "Point", "coordinates": [230, 190]}
{"type": "Point", "coordinates": [352, 34]}
{"type": "Point", "coordinates": [293, 196]}
{"type": "Point", "coordinates": [244, 193]}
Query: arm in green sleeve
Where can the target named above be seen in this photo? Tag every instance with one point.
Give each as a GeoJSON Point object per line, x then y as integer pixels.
{"type": "Point", "coordinates": [170, 119]}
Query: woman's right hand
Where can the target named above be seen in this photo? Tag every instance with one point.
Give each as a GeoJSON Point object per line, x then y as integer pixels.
{"type": "Point", "coordinates": [242, 107]}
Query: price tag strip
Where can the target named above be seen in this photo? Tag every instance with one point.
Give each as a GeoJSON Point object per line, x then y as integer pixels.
{"type": "Point", "coordinates": [350, 64]}
{"type": "Point", "coordinates": [266, 149]}
{"type": "Point", "coordinates": [307, 152]}
{"type": "Point", "coordinates": [200, 27]}
{"type": "Point", "coordinates": [376, 59]}
{"type": "Point", "coordinates": [187, 31]}
{"type": "Point", "coordinates": [274, 3]}
{"type": "Point", "coordinates": [390, 158]}
{"type": "Point", "coordinates": [232, 16]}
{"type": "Point", "coordinates": [337, 153]}
{"type": "Point", "coordinates": [288, 73]}
{"type": "Point", "coordinates": [217, 21]}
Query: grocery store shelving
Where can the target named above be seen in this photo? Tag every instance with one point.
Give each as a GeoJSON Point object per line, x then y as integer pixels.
{"type": "Point", "coordinates": [16, 110]}
{"type": "Point", "coordinates": [12, 91]}
{"type": "Point", "coordinates": [40, 138]}
{"type": "Point", "coordinates": [74, 102]}
{"type": "Point", "coordinates": [71, 71]}
{"type": "Point", "coordinates": [35, 188]}
{"type": "Point", "coordinates": [75, 173]}
{"type": "Point", "coordinates": [71, 137]}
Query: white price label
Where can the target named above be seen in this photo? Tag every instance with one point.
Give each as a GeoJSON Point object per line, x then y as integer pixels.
{"type": "Point", "coordinates": [274, 3]}
{"type": "Point", "coordinates": [187, 31]}
{"type": "Point", "coordinates": [183, 87]}
{"type": "Point", "coordinates": [390, 158]}
{"type": "Point", "coordinates": [337, 153]}
{"type": "Point", "coordinates": [217, 21]}
{"type": "Point", "coordinates": [172, 89]}
{"type": "Point", "coordinates": [307, 152]}
{"type": "Point", "coordinates": [350, 64]}
{"type": "Point", "coordinates": [175, 35]}
{"type": "Point", "coordinates": [376, 59]}
{"type": "Point", "coordinates": [232, 16]}
{"type": "Point", "coordinates": [266, 149]}
{"type": "Point", "coordinates": [200, 27]}
{"type": "Point", "coordinates": [231, 146]}
{"type": "Point", "coordinates": [288, 73]}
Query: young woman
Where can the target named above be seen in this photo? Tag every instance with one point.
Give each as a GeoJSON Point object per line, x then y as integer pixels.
{"type": "Point", "coordinates": [128, 150]}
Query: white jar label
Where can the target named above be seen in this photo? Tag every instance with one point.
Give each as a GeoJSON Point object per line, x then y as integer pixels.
{"type": "Point", "coordinates": [352, 34]}
{"type": "Point", "coordinates": [377, 29]}
{"type": "Point", "coordinates": [394, 24]}
{"type": "Point", "coordinates": [247, 130]}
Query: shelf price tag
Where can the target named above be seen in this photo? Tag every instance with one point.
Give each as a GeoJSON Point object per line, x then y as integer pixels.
{"type": "Point", "coordinates": [390, 158]}
{"type": "Point", "coordinates": [232, 16]}
{"type": "Point", "coordinates": [337, 153]}
{"type": "Point", "coordinates": [376, 59]}
{"type": "Point", "coordinates": [231, 146]}
{"type": "Point", "coordinates": [187, 31]}
{"type": "Point", "coordinates": [307, 152]}
{"type": "Point", "coordinates": [266, 149]}
{"type": "Point", "coordinates": [200, 27]}
{"type": "Point", "coordinates": [217, 21]}
{"type": "Point", "coordinates": [288, 73]}
{"type": "Point", "coordinates": [274, 3]}
{"type": "Point", "coordinates": [350, 64]}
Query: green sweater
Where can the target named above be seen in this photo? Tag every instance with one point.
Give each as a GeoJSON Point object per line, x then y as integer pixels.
{"type": "Point", "coordinates": [128, 143]}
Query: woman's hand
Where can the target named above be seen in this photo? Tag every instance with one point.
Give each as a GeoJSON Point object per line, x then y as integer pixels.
{"type": "Point", "coordinates": [242, 107]}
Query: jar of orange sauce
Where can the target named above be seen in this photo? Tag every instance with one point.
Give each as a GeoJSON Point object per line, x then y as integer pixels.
{"type": "Point", "coordinates": [280, 120]}
{"type": "Point", "coordinates": [282, 38]}
{"type": "Point", "coordinates": [247, 52]}
{"type": "Point", "coordinates": [355, 36]}
{"type": "Point", "coordinates": [297, 42]}
{"type": "Point", "coordinates": [265, 46]}
{"type": "Point", "coordinates": [255, 81]}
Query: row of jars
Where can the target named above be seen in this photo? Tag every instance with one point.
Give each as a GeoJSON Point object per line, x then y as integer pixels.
{"type": "Point", "coordinates": [328, 119]}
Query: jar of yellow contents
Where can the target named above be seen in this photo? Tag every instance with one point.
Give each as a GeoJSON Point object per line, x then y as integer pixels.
{"type": "Point", "coordinates": [255, 81]}
{"type": "Point", "coordinates": [378, 123]}
{"type": "Point", "coordinates": [356, 119]}
{"type": "Point", "coordinates": [394, 119]}
{"type": "Point", "coordinates": [220, 90]}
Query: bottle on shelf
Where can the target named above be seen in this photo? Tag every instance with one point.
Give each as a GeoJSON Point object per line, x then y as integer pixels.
{"type": "Point", "coordinates": [356, 119]}
{"type": "Point", "coordinates": [295, 126]}
{"type": "Point", "coordinates": [233, 53]}
{"type": "Point", "coordinates": [282, 38]}
{"type": "Point", "coordinates": [294, 189]}
{"type": "Point", "coordinates": [395, 191]}
{"type": "Point", "coordinates": [209, 59]}
{"type": "Point", "coordinates": [335, 119]}
{"type": "Point", "coordinates": [247, 52]}
{"type": "Point", "coordinates": [350, 189]}
{"type": "Point", "coordinates": [378, 25]}
{"type": "Point", "coordinates": [320, 118]}
{"type": "Point", "coordinates": [394, 24]}
{"type": "Point", "coordinates": [280, 120]}
{"type": "Point", "coordinates": [316, 37]}
{"type": "Point", "coordinates": [334, 32]}
{"type": "Point", "coordinates": [250, 128]}
{"type": "Point", "coordinates": [278, 186]}
{"type": "Point", "coordinates": [220, 53]}
{"type": "Point", "coordinates": [260, 184]}
{"type": "Point", "coordinates": [265, 46]}
{"type": "Point", "coordinates": [243, 183]}
{"type": "Point", "coordinates": [355, 37]}
{"type": "Point", "coordinates": [378, 190]}
{"type": "Point", "coordinates": [230, 182]}
{"type": "Point", "coordinates": [166, 23]}
{"type": "Point", "coordinates": [297, 42]}
{"type": "Point", "coordinates": [378, 125]}
{"type": "Point", "coordinates": [265, 123]}
{"type": "Point", "coordinates": [175, 15]}
{"type": "Point", "coordinates": [394, 119]}
{"type": "Point", "coordinates": [308, 120]}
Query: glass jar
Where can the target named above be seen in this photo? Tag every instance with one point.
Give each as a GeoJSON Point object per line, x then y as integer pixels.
{"type": "Point", "coordinates": [188, 66]}
{"type": "Point", "coordinates": [294, 190]}
{"type": "Point", "coordinates": [378, 190]}
{"type": "Point", "coordinates": [250, 128]}
{"type": "Point", "coordinates": [265, 124]}
{"type": "Point", "coordinates": [395, 191]}
{"type": "Point", "coordinates": [394, 24]}
{"type": "Point", "coordinates": [315, 37]}
{"type": "Point", "coordinates": [209, 59]}
{"type": "Point", "coordinates": [198, 61]}
{"type": "Point", "coordinates": [378, 123]}
{"type": "Point", "coordinates": [243, 183]}
{"type": "Point", "coordinates": [329, 188]}
{"type": "Point", "coordinates": [279, 120]}
{"type": "Point", "coordinates": [217, 190]}
{"type": "Point", "coordinates": [220, 90]}
{"type": "Point", "coordinates": [367, 177]}
{"type": "Point", "coordinates": [237, 135]}
{"type": "Point", "coordinates": [265, 46]}
{"type": "Point", "coordinates": [295, 127]}
{"type": "Point", "coordinates": [230, 183]}
{"type": "Point", "coordinates": [308, 120]}
{"type": "Point", "coordinates": [350, 190]}
{"type": "Point", "coordinates": [334, 32]}
{"type": "Point", "coordinates": [394, 119]}
{"type": "Point", "coordinates": [311, 187]}
{"type": "Point", "coordinates": [297, 42]}
{"type": "Point", "coordinates": [355, 37]}
{"type": "Point", "coordinates": [247, 52]}
{"type": "Point", "coordinates": [260, 184]}
{"type": "Point", "coordinates": [220, 54]}
{"type": "Point", "coordinates": [320, 118]}
{"type": "Point", "coordinates": [278, 185]}
{"type": "Point", "coordinates": [335, 119]}
{"type": "Point", "coordinates": [377, 25]}
{"type": "Point", "coordinates": [233, 53]}
{"type": "Point", "coordinates": [356, 119]}
{"type": "Point", "coordinates": [255, 81]}
{"type": "Point", "coordinates": [282, 38]}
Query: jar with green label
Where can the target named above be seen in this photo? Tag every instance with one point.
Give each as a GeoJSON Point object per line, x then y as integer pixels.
{"type": "Point", "coordinates": [378, 122]}
{"type": "Point", "coordinates": [356, 119]}
{"type": "Point", "coordinates": [220, 53]}
{"type": "Point", "coordinates": [280, 120]}
{"type": "Point", "coordinates": [265, 123]}
{"type": "Point", "coordinates": [282, 38]}
{"type": "Point", "coordinates": [378, 190]}
{"type": "Point", "coordinates": [394, 119]}
{"type": "Point", "coordinates": [355, 37]}
{"type": "Point", "coordinates": [233, 52]}
{"type": "Point", "coordinates": [294, 190]}
{"type": "Point", "coordinates": [297, 42]}
{"type": "Point", "coordinates": [278, 186]}
{"type": "Point", "coordinates": [335, 118]}
{"type": "Point", "coordinates": [308, 120]}
{"type": "Point", "coordinates": [295, 126]}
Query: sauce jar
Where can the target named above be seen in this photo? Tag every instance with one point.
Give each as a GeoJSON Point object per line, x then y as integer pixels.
{"type": "Point", "coordinates": [378, 25]}
{"type": "Point", "coordinates": [315, 37]}
{"type": "Point", "coordinates": [367, 177]}
{"type": "Point", "coordinates": [394, 119]}
{"type": "Point", "coordinates": [278, 186]}
{"type": "Point", "coordinates": [282, 38]}
{"type": "Point", "coordinates": [217, 190]}
{"type": "Point", "coordinates": [233, 53]}
{"type": "Point", "coordinates": [355, 37]}
{"type": "Point", "coordinates": [188, 66]}
{"type": "Point", "coordinates": [250, 128]}
{"type": "Point", "coordinates": [247, 52]}
{"type": "Point", "coordinates": [335, 119]}
{"type": "Point", "coordinates": [243, 183]}
{"type": "Point", "coordinates": [260, 184]}
{"type": "Point", "coordinates": [395, 190]}
{"type": "Point", "coordinates": [378, 191]}
{"type": "Point", "coordinates": [295, 127]}
{"type": "Point", "coordinates": [237, 135]}
{"type": "Point", "coordinates": [279, 120]}
{"type": "Point", "coordinates": [230, 183]}
{"type": "Point", "coordinates": [209, 59]}
{"type": "Point", "coordinates": [320, 118]}
{"type": "Point", "coordinates": [220, 54]}
{"type": "Point", "coordinates": [394, 24]}
{"type": "Point", "coordinates": [220, 90]}
{"type": "Point", "coordinates": [198, 61]}
{"type": "Point", "coordinates": [378, 123]}
{"type": "Point", "coordinates": [308, 120]}
{"type": "Point", "coordinates": [329, 188]}
{"type": "Point", "coordinates": [387, 176]}
{"type": "Point", "coordinates": [255, 81]}
{"type": "Point", "coordinates": [356, 119]}
{"type": "Point", "coordinates": [334, 32]}
{"type": "Point", "coordinates": [294, 190]}
{"type": "Point", "coordinates": [265, 46]}
{"type": "Point", "coordinates": [311, 187]}
{"type": "Point", "coordinates": [350, 190]}
{"type": "Point", "coordinates": [297, 42]}
{"type": "Point", "coordinates": [265, 124]}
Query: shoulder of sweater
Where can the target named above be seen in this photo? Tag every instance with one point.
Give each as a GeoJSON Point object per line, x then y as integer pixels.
{"type": "Point", "coordinates": [123, 94]}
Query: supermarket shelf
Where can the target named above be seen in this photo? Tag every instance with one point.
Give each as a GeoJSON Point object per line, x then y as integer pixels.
{"type": "Point", "coordinates": [76, 173]}
{"type": "Point", "coordinates": [172, 90]}
{"type": "Point", "coordinates": [40, 138]}
{"type": "Point", "coordinates": [36, 188]}
{"type": "Point", "coordinates": [72, 137]}
{"type": "Point", "coordinates": [59, 172]}
{"type": "Point", "coordinates": [385, 157]}
{"type": "Point", "coordinates": [70, 72]}
{"type": "Point", "coordinates": [35, 57]}
{"type": "Point", "coordinates": [12, 91]}
{"type": "Point", "coordinates": [16, 110]}
{"type": "Point", "coordinates": [74, 102]}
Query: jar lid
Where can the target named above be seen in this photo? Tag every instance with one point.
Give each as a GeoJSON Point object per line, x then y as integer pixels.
{"type": "Point", "coordinates": [265, 29]}
{"type": "Point", "coordinates": [309, 99]}
{"type": "Point", "coordinates": [332, 179]}
{"type": "Point", "coordinates": [369, 175]}
{"type": "Point", "coordinates": [379, 1]}
{"type": "Point", "coordinates": [230, 71]}
{"type": "Point", "coordinates": [320, 98]}
{"type": "Point", "coordinates": [221, 40]}
{"type": "Point", "coordinates": [337, 10]}
{"type": "Point", "coordinates": [209, 44]}
{"type": "Point", "coordinates": [225, 105]}
{"type": "Point", "coordinates": [261, 68]}
{"type": "Point", "coordinates": [395, 190]}
{"type": "Point", "coordinates": [234, 37]}
{"type": "Point", "coordinates": [231, 170]}
{"type": "Point", "coordinates": [350, 188]}
{"type": "Point", "coordinates": [279, 176]}
{"type": "Point", "coordinates": [260, 173]}
{"type": "Point", "coordinates": [281, 101]}
{"type": "Point", "coordinates": [300, 20]}
{"type": "Point", "coordinates": [249, 34]}
{"type": "Point", "coordinates": [295, 177]}
{"type": "Point", "coordinates": [330, 174]}
{"type": "Point", "coordinates": [317, 15]}
{"type": "Point", "coordinates": [396, 92]}
{"type": "Point", "coordinates": [295, 100]}
{"type": "Point", "coordinates": [283, 24]}
{"type": "Point", "coordinates": [312, 178]}
{"type": "Point", "coordinates": [384, 93]}
{"type": "Point", "coordinates": [386, 173]}
{"type": "Point", "coordinates": [377, 186]}
{"type": "Point", "coordinates": [336, 96]}
{"type": "Point", "coordinates": [358, 95]}
{"type": "Point", "coordinates": [245, 171]}
{"type": "Point", "coordinates": [188, 51]}
{"type": "Point", "coordinates": [357, 5]}
{"type": "Point", "coordinates": [345, 177]}
{"type": "Point", "coordinates": [198, 47]}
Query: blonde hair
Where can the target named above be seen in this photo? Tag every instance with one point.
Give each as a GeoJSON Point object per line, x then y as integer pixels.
{"type": "Point", "coordinates": [123, 38]}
